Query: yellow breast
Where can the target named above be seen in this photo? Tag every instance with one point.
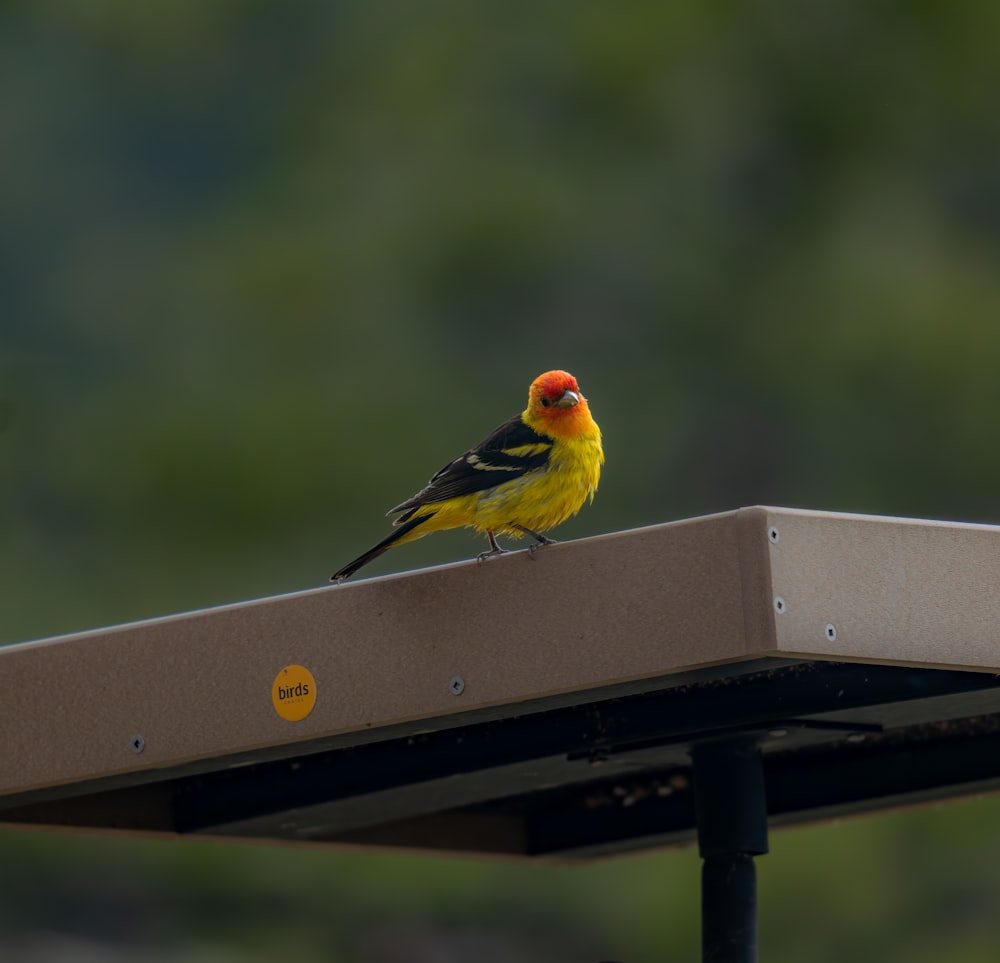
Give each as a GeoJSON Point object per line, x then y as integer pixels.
{"type": "Point", "coordinates": [542, 499]}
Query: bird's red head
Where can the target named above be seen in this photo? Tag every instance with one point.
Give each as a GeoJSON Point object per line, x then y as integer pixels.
{"type": "Point", "coordinates": [554, 400]}
{"type": "Point", "coordinates": [554, 390]}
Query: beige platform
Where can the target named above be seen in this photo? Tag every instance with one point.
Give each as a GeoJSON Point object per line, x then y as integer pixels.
{"type": "Point", "coordinates": [101, 728]}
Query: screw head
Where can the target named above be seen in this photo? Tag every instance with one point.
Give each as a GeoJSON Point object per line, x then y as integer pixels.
{"type": "Point", "coordinates": [457, 685]}
{"type": "Point", "coordinates": [830, 631]}
{"type": "Point", "coordinates": [780, 606]}
{"type": "Point", "coordinates": [773, 535]}
{"type": "Point", "coordinates": [137, 743]}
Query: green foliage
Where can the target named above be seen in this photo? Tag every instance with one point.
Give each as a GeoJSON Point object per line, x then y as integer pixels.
{"type": "Point", "coordinates": [266, 267]}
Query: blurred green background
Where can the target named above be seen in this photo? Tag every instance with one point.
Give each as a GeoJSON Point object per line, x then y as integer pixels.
{"type": "Point", "coordinates": [265, 267]}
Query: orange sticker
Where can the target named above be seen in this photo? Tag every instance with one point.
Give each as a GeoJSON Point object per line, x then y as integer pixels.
{"type": "Point", "coordinates": [294, 693]}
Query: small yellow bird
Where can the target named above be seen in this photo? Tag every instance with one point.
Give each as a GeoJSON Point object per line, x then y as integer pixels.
{"type": "Point", "coordinates": [533, 472]}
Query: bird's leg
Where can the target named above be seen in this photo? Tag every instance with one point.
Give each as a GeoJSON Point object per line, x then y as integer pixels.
{"type": "Point", "coordinates": [539, 539]}
{"type": "Point", "coordinates": [494, 548]}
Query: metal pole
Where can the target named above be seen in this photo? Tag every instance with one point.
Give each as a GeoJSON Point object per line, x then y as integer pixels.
{"type": "Point", "coordinates": [731, 808]}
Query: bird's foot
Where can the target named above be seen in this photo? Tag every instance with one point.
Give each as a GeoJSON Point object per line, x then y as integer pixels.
{"type": "Point", "coordinates": [537, 545]}
{"type": "Point", "coordinates": [493, 551]}
{"type": "Point", "coordinates": [540, 540]}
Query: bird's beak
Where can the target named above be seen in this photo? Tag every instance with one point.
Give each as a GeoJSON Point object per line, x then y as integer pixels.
{"type": "Point", "coordinates": [569, 400]}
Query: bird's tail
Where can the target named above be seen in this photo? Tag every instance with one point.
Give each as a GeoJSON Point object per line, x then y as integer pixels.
{"type": "Point", "coordinates": [398, 534]}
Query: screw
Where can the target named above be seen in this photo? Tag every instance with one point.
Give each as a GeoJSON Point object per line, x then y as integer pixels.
{"type": "Point", "coordinates": [856, 737]}
{"type": "Point", "coordinates": [138, 744]}
{"type": "Point", "coordinates": [772, 534]}
{"type": "Point", "coordinates": [457, 685]}
{"type": "Point", "coordinates": [779, 605]}
{"type": "Point", "coordinates": [831, 631]}
{"type": "Point", "coordinates": [777, 733]}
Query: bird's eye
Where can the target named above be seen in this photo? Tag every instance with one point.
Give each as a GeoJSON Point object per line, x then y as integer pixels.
{"type": "Point", "coordinates": [546, 403]}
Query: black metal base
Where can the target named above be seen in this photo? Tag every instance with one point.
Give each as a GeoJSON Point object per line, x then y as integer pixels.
{"type": "Point", "coordinates": [731, 807]}
{"type": "Point", "coordinates": [729, 909]}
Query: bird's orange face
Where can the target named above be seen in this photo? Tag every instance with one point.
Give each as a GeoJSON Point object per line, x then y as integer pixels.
{"type": "Point", "coordinates": [555, 397]}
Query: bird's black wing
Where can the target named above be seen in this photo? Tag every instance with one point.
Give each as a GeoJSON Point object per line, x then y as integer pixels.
{"type": "Point", "coordinates": [510, 451]}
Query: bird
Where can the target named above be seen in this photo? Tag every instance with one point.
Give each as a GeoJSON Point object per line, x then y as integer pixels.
{"type": "Point", "coordinates": [528, 475]}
